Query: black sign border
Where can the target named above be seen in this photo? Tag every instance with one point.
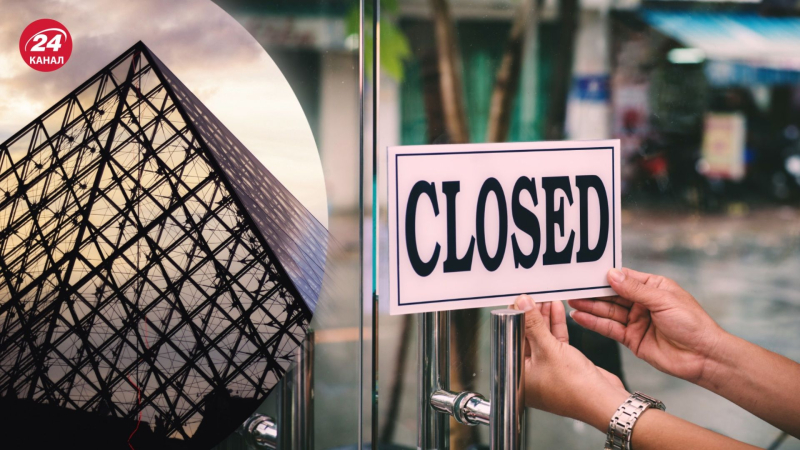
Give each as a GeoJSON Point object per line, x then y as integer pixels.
{"type": "Point", "coordinates": [397, 220]}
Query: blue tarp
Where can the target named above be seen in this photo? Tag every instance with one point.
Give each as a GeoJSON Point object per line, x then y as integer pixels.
{"type": "Point", "coordinates": [741, 48]}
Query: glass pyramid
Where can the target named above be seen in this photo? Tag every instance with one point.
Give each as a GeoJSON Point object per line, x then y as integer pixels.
{"type": "Point", "coordinates": [151, 265]}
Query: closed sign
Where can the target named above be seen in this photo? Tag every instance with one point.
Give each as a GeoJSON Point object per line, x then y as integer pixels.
{"type": "Point", "coordinates": [477, 225]}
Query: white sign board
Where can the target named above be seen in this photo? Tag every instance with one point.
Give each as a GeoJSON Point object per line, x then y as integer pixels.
{"type": "Point", "coordinates": [477, 225]}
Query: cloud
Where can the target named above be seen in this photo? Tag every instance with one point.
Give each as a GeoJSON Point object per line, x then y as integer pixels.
{"type": "Point", "coordinates": [205, 47]}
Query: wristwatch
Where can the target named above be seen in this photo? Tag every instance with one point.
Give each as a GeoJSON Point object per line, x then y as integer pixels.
{"type": "Point", "coordinates": [621, 426]}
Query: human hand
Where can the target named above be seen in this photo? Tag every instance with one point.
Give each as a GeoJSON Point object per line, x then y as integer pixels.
{"type": "Point", "coordinates": [559, 378]}
{"type": "Point", "coordinates": [654, 317]}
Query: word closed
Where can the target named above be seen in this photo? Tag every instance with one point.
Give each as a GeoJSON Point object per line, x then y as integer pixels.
{"type": "Point", "coordinates": [476, 225]}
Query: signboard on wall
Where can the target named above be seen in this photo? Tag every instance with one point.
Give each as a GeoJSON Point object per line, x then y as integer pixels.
{"type": "Point", "coordinates": [723, 146]}
{"type": "Point", "coordinates": [476, 225]}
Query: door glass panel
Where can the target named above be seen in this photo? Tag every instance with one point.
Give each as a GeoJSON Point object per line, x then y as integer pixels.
{"type": "Point", "coordinates": [316, 50]}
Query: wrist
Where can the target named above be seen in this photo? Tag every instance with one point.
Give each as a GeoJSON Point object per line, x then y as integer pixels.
{"type": "Point", "coordinates": [603, 409]}
{"type": "Point", "coordinates": [717, 358]}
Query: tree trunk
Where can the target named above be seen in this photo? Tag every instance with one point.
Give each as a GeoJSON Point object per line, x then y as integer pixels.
{"type": "Point", "coordinates": [506, 82]}
{"type": "Point", "coordinates": [451, 86]}
{"type": "Point", "coordinates": [562, 70]}
{"type": "Point", "coordinates": [432, 97]}
{"type": "Point", "coordinates": [462, 338]}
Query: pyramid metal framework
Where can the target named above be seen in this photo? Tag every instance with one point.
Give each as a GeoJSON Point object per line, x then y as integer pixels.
{"type": "Point", "coordinates": [149, 261]}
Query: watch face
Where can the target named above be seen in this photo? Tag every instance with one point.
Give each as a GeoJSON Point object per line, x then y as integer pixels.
{"type": "Point", "coordinates": [157, 278]}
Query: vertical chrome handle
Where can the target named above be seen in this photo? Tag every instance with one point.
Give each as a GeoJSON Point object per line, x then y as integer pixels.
{"type": "Point", "coordinates": [296, 419]}
{"type": "Point", "coordinates": [433, 430]}
{"type": "Point", "coordinates": [294, 429]}
{"type": "Point", "coordinates": [507, 416]}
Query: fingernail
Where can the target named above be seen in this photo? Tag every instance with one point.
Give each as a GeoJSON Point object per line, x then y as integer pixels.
{"type": "Point", "coordinates": [525, 303]}
{"type": "Point", "coordinates": [572, 313]}
{"type": "Point", "coordinates": [616, 276]}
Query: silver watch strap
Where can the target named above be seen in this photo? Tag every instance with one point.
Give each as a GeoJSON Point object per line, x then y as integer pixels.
{"type": "Point", "coordinates": [621, 426]}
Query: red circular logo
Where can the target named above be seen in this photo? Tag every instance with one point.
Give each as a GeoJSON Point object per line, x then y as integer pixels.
{"type": "Point", "coordinates": [45, 45]}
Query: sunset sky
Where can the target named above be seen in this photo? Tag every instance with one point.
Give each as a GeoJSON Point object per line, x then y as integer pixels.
{"type": "Point", "coordinates": [205, 47]}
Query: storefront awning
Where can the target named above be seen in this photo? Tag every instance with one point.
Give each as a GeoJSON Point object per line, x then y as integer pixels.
{"type": "Point", "coordinates": [771, 43]}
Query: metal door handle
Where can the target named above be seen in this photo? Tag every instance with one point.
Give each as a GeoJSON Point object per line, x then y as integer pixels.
{"type": "Point", "coordinates": [467, 408]}
{"type": "Point", "coordinates": [294, 428]}
{"type": "Point", "coordinates": [261, 432]}
{"type": "Point", "coordinates": [507, 383]}
{"type": "Point", "coordinates": [505, 413]}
